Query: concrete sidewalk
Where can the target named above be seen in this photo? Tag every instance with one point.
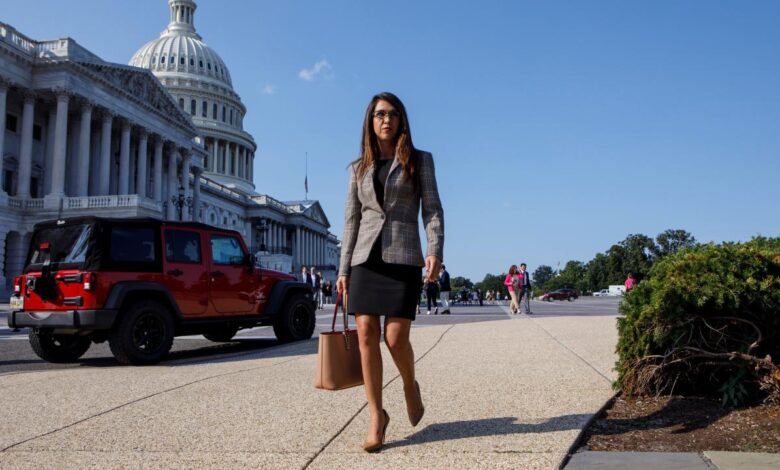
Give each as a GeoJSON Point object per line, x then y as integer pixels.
{"type": "Point", "coordinates": [501, 394]}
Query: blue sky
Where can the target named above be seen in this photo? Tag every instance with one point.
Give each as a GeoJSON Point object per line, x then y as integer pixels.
{"type": "Point", "coordinates": [557, 128]}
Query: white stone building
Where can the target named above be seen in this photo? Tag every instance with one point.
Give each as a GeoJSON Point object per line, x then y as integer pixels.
{"type": "Point", "coordinates": [79, 135]}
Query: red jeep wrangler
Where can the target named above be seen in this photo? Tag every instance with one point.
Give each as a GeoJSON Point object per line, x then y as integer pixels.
{"type": "Point", "coordinates": [139, 282]}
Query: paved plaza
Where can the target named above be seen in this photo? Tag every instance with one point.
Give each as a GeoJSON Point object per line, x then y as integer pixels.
{"type": "Point", "coordinates": [501, 391]}
{"type": "Point", "coordinates": [507, 392]}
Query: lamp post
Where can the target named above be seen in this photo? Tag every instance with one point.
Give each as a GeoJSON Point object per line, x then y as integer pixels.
{"type": "Point", "coordinates": [180, 201]}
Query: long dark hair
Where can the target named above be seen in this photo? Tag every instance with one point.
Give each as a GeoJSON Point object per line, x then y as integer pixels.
{"type": "Point", "coordinates": [404, 148]}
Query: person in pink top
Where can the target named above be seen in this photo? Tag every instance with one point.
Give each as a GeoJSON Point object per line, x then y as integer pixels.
{"type": "Point", "coordinates": [512, 283]}
{"type": "Point", "coordinates": [630, 282]}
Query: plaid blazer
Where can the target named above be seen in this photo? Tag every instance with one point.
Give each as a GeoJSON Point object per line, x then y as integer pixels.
{"type": "Point", "coordinates": [397, 222]}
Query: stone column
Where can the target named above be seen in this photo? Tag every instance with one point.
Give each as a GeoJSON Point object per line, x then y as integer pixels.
{"type": "Point", "coordinates": [51, 124]}
{"type": "Point", "coordinates": [173, 179]}
{"type": "Point", "coordinates": [234, 160]}
{"type": "Point", "coordinates": [60, 144]}
{"type": "Point", "coordinates": [106, 120]}
{"type": "Point", "coordinates": [196, 196]}
{"type": "Point", "coordinates": [82, 181]}
{"type": "Point", "coordinates": [142, 178]}
{"type": "Point", "coordinates": [251, 167]}
{"type": "Point", "coordinates": [242, 159]}
{"type": "Point", "coordinates": [297, 248]}
{"type": "Point", "coordinates": [185, 181]}
{"type": "Point", "coordinates": [157, 175]}
{"type": "Point", "coordinates": [25, 149]}
{"type": "Point", "coordinates": [215, 155]}
{"type": "Point", "coordinates": [3, 94]}
{"type": "Point", "coordinates": [124, 159]}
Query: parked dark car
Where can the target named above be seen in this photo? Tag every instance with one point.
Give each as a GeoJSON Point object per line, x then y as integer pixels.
{"type": "Point", "coordinates": [560, 294]}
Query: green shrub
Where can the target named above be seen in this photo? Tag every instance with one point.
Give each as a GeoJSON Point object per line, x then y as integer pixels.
{"type": "Point", "coordinates": [706, 321]}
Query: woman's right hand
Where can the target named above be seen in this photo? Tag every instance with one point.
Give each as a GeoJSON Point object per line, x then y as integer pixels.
{"type": "Point", "coordinates": [341, 284]}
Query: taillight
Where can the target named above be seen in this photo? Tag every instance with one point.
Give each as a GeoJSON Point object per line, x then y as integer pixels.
{"type": "Point", "coordinates": [18, 285]}
{"type": "Point", "coordinates": [90, 281]}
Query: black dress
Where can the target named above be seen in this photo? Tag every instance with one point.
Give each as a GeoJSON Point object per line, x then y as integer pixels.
{"type": "Point", "coordinates": [379, 288]}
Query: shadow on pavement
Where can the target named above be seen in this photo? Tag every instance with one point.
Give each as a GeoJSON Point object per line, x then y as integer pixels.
{"type": "Point", "coordinates": [489, 427]}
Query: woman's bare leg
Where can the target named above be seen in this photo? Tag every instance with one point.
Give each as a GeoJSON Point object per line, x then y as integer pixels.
{"type": "Point", "coordinates": [397, 340]}
{"type": "Point", "coordinates": [371, 361]}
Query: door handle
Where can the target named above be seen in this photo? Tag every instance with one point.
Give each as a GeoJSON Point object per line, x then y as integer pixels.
{"type": "Point", "coordinates": [217, 274]}
{"type": "Point", "coordinates": [175, 272]}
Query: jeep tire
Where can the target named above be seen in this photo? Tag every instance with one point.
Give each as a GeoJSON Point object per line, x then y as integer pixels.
{"type": "Point", "coordinates": [296, 319]}
{"type": "Point", "coordinates": [222, 333]}
{"type": "Point", "coordinates": [58, 348]}
{"type": "Point", "coordinates": [143, 333]}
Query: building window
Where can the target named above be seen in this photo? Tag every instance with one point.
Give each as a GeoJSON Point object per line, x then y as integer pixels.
{"type": "Point", "coordinates": [192, 62]}
{"type": "Point", "coordinates": [193, 105]}
{"type": "Point", "coordinates": [209, 64]}
{"type": "Point", "coordinates": [204, 109]}
{"type": "Point", "coordinates": [173, 59]}
{"type": "Point", "coordinates": [231, 116]}
{"type": "Point", "coordinates": [154, 60]}
{"type": "Point", "coordinates": [214, 112]}
{"type": "Point", "coordinates": [37, 132]}
{"type": "Point", "coordinates": [200, 62]}
{"type": "Point", "coordinates": [10, 122]}
{"type": "Point", "coordinates": [181, 103]}
{"type": "Point", "coordinates": [181, 60]}
{"type": "Point", "coordinates": [162, 59]}
{"type": "Point", "coordinates": [223, 114]}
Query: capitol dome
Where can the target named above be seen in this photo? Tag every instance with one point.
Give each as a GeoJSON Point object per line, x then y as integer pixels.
{"type": "Point", "coordinates": [181, 50]}
{"type": "Point", "coordinates": [199, 80]}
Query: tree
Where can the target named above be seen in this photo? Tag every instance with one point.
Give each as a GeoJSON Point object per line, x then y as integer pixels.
{"type": "Point", "coordinates": [542, 275]}
{"type": "Point", "coordinates": [671, 241]}
{"type": "Point", "coordinates": [493, 282]}
{"type": "Point", "coordinates": [459, 282]}
{"type": "Point", "coordinates": [571, 276]}
{"type": "Point", "coordinates": [597, 273]}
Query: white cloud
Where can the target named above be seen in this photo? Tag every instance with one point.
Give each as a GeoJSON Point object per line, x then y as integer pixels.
{"type": "Point", "coordinates": [269, 89]}
{"type": "Point", "coordinates": [321, 68]}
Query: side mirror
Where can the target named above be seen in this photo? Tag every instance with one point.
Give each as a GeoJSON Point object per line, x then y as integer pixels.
{"type": "Point", "coordinates": [249, 261]}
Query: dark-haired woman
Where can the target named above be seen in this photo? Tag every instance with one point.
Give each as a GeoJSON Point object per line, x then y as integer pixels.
{"type": "Point", "coordinates": [381, 254]}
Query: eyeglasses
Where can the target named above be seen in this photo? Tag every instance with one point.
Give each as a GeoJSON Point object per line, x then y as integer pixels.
{"type": "Point", "coordinates": [381, 115]}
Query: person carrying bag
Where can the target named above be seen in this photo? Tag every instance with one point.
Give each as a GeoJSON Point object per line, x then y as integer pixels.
{"type": "Point", "coordinates": [338, 356]}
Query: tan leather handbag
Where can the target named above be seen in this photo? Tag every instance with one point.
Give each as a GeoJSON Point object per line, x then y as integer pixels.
{"type": "Point", "coordinates": [338, 357]}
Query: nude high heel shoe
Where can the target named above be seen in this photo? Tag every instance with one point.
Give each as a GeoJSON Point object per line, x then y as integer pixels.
{"type": "Point", "coordinates": [377, 446]}
{"type": "Point", "coordinates": [416, 413]}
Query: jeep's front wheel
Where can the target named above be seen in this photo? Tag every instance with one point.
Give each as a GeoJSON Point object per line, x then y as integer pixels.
{"type": "Point", "coordinates": [143, 335]}
{"type": "Point", "coordinates": [296, 320]}
{"type": "Point", "coordinates": [221, 334]}
{"type": "Point", "coordinates": [58, 348]}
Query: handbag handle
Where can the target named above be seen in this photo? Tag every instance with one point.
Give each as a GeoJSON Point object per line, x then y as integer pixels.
{"type": "Point", "coordinates": [336, 311]}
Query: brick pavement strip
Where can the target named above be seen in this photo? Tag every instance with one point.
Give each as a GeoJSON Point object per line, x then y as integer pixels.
{"type": "Point", "coordinates": [500, 394]}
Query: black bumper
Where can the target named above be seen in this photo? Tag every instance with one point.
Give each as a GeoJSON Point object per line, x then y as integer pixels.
{"type": "Point", "coordinates": [78, 319]}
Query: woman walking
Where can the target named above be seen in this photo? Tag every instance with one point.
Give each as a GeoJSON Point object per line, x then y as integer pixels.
{"type": "Point", "coordinates": [512, 283]}
{"type": "Point", "coordinates": [381, 252]}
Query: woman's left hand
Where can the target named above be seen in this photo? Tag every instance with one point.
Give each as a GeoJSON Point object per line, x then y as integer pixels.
{"type": "Point", "coordinates": [432, 267]}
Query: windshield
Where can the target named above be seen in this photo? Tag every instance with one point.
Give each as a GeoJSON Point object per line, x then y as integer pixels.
{"type": "Point", "coordinates": [61, 245]}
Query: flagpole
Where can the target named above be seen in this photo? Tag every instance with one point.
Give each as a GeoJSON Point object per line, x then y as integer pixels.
{"type": "Point", "coordinates": [306, 179]}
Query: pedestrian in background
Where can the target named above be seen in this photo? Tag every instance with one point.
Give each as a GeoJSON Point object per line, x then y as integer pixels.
{"type": "Point", "coordinates": [629, 282]}
{"type": "Point", "coordinates": [512, 282]}
{"type": "Point", "coordinates": [316, 284]}
{"type": "Point", "coordinates": [381, 252]}
{"type": "Point", "coordinates": [327, 292]}
{"type": "Point", "coordinates": [431, 292]}
{"type": "Point", "coordinates": [444, 290]}
{"type": "Point", "coordinates": [525, 289]}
